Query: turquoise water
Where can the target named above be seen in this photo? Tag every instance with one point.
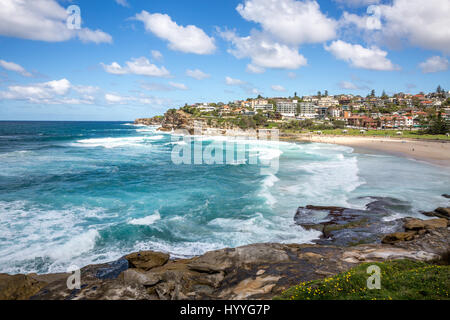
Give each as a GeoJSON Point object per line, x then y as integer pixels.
{"type": "Point", "coordinates": [76, 193]}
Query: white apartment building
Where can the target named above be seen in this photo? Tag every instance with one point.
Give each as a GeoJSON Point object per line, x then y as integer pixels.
{"type": "Point", "coordinates": [259, 102]}
{"type": "Point", "coordinates": [328, 102]}
{"type": "Point", "coordinates": [287, 108]}
{"type": "Point", "coordinates": [307, 110]}
{"type": "Point", "coordinates": [263, 107]}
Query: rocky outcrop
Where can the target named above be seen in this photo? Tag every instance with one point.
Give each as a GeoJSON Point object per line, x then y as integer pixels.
{"type": "Point", "coordinates": [257, 271]}
{"type": "Point", "coordinates": [149, 121]}
{"type": "Point", "coordinates": [439, 212]}
{"type": "Point", "coordinates": [177, 120]}
{"type": "Point", "coordinates": [414, 228]}
{"type": "Point", "coordinates": [346, 227]}
{"type": "Point", "coordinates": [146, 260]}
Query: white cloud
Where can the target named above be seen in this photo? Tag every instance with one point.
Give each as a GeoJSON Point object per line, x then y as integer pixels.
{"type": "Point", "coordinates": [357, 3]}
{"type": "Point", "coordinates": [254, 69]}
{"type": "Point", "coordinates": [43, 20]}
{"type": "Point", "coordinates": [97, 36]}
{"type": "Point", "coordinates": [292, 75]}
{"type": "Point", "coordinates": [180, 86]}
{"type": "Point", "coordinates": [347, 85]}
{"type": "Point", "coordinates": [434, 64]}
{"type": "Point", "coordinates": [157, 55]}
{"type": "Point", "coordinates": [244, 85]}
{"type": "Point", "coordinates": [11, 66]}
{"type": "Point", "coordinates": [138, 66]}
{"type": "Point", "coordinates": [278, 88]}
{"type": "Point", "coordinates": [367, 58]}
{"type": "Point", "coordinates": [115, 98]}
{"type": "Point", "coordinates": [420, 23]}
{"type": "Point", "coordinates": [263, 51]}
{"type": "Point", "coordinates": [197, 74]}
{"type": "Point", "coordinates": [233, 82]}
{"type": "Point", "coordinates": [123, 3]}
{"type": "Point", "coordinates": [51, 92]}
{"type": "Point", "coordinates": [289, 21]}
{"type": "Point", "coordinates": [190, 39]}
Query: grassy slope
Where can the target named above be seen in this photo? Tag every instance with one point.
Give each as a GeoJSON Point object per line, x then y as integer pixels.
{"type": "Point", "coordinates": [400, 280]}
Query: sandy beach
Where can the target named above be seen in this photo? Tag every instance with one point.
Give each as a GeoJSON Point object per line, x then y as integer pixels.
{"type": "Point", "coordinates": [435, 152]}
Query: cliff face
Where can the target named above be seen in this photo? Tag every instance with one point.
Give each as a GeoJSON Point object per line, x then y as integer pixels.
{"type": "Point", "coordinates": [177, 120]}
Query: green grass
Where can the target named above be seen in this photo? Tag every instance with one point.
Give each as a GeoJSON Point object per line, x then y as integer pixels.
{"type": "Point", "coordinates": [400, 280]}
{"type": "Point", "coordinates": [387, 133]}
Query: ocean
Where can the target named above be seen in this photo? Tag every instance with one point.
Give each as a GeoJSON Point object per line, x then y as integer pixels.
{"type": "Point", "coordinates": [78, 193]}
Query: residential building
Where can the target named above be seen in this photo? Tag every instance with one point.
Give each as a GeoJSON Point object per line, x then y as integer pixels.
{"type": "Point", "coordinates": [287, 108]}
{"type": "Point", "coordinates": [263, 107]}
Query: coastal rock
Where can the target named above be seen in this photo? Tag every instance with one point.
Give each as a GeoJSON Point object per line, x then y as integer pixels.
{"type": "Point", "coordinates": [398, 236]}
{"type": "Point", "coordinates": [146, 260]}
{"type": "Point", "coordinates": [445, 195]}
{"type": "Point", "coordinates": [344, 226]}
{"type": "Point", "coordinates": [417, 224]}
{"type": "Point", "coordinates": [19, 287]}
{"type": "Point", "coordinates": [149, 121]}
{"type": "Point", "coordinates": [257, 271]}
{"type": "Point", "coordinates": [443, 211]}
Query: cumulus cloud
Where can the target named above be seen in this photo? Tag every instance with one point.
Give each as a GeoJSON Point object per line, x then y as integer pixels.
{"type": "Point", "coordinates": [244, 85]}
{"type": "Point", "coordinates": [11, 66]}
{"type": "Point", "coordinates": [434, 64]}
{"type": "Point", "coordinates": [189, 39]}
{"type": "Point", "coordinates": [278, 88]}
{"type": "Point", "coordinates": [348, 85]}
{"type": "Point", "coordinates": [371, 58]}
{"type": "Point", "coordinates": [51, 92]}
{"type": "Point", "coordinates": [263, 51]}
{"type": "Point", "coordinates": [179, 86]}
{"type": "Point", "coordinates": [233, 82]}
{"type": "Point", "coordinates": [115, 99]}
{"type": "Point", "coordinates": [290, 21]}
{"type": "Point", "coordinates": [357, 3]}
{"type": "Point", "coordinates": [123, 3]}
{"type": "Point", "coordinates": [419, 23]}
{"type": "Point", "coordinates": [157, 55]}
{"type": "Point", "coordinates": [43, 20]}
{"type": "Point", "coordinates": [197, 74]}
{"type": "Point", "coordinates": [138, 66]}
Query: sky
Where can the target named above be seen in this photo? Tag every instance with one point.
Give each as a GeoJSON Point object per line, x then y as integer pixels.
{"type": "Point", "coordinates": [126, 59]}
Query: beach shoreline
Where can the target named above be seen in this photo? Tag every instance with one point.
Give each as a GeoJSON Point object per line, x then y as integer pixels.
{"type": "Point", "coordinates": [433, 151]}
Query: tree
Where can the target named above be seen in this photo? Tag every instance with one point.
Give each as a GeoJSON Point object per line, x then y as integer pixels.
{"type": "Point", "coordinates": [295, 94]}
{"type": "Point", "coordinates": [384, 95]}
{"type": "Point", "coordinates": [439, 89]}
{"type": "Point", "coordinates": [372, 93]}
{"type": "Point", "coordinates": [438, 125]}
{"type": "Point", "coordinates": [319, 94]}
{"type": "Point", "coordinates": [326, 93]}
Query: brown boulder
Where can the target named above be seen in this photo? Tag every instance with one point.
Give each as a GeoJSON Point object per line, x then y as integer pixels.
{"type": "Point", "coordinates": [443, 211]}
{"type": "Point", "coordinates": [19, 287]}
{"type": "Point", "coordinates": [417, 224]}
{"type": "Point", "coordinates": [146, 260]}
{"type": "Point", "coordinates": [398, 236]}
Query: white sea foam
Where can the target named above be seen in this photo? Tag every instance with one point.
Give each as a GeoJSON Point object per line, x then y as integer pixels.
{"type": "Point", "coordinates": [75, 246]}
{"type": "Point", "coordinates": [114, 142]}
{"type": "Point", "coordinates": [146, 221]}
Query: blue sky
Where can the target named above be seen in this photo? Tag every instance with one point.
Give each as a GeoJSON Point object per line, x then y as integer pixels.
{"type": "Point", "coordinates": [132, 58]}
